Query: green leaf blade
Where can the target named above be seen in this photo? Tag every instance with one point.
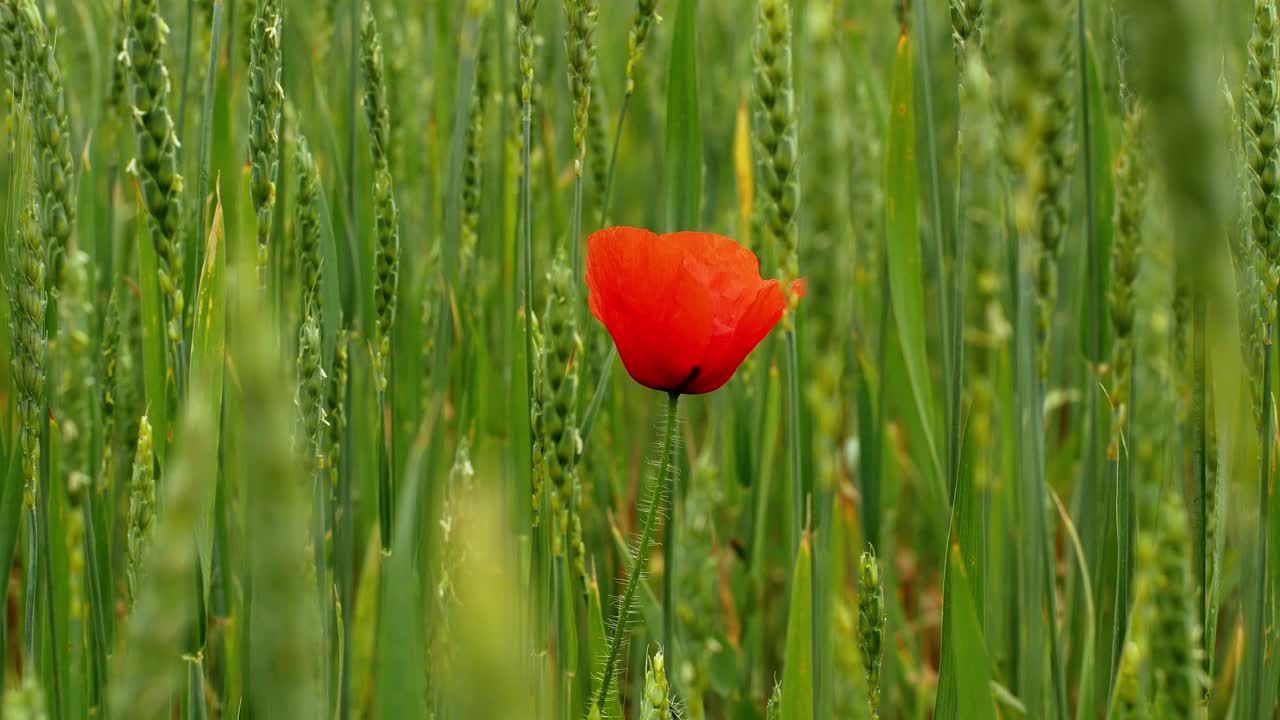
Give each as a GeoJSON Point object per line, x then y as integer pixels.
{"type": "Point", "coordinates": [906, 274]}
{"type": "Point", "coordinates": [797, 669]}
{"type": "Point", "coordinates": [683, 169]}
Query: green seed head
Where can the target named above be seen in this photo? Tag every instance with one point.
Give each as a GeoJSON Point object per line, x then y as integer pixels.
{"type": "Point", "coordinates": [871, 621]}
{"type": "Point", "coordinates": [310, 397]}
{"type": "Point", "coordinates": [266, 101]}
{"type": "Point", "coordinates": [142, 508]}
{"type": "Point", "coordinates": [386, 268]}
{"type": "Point", "coordinates": [27, 302]}
{"type": "Point", "coordinates": [335, 407]}
{"type": "Point", "coordinates": [646, 18]}
{"type": "Point", "coordinates": [525, 42]}
{"type": "Point", "coordinates": [156, 165]}
{"type": "Point", "coordinates": [1262, 125]}
{"type": "Point", "coordinates": [43, 90]}
{"type": "Point", "coordinates": [967, 24]}
{"type": "Point", "coordinates": [1126, 255]}
{"type": "Point", "coordinates": [25, 701]}
{"type": "Point", "coordinates": [580, 48]}
{"type": "Point", "coordinates": [656, 704]}
{"type": "Point", "coordinates": [775, 138]}
{"type": "Point", "coordinates": [558, 424]}
{"type": "Point", "coordinates": [774, 709]}
{"type": "Point", "coordinates": [10, 50]}
{"type": "Point", "coordinates": [307, 221]}
{"type": "Point", "coordinates": [1128, 695]}
{"type": "Point", "coordinates": [539, 471]}
{"type": "Point", "coordinates": [1175, 635]}
{"type": "Point", "coordinates": [473, 164]}
{"type": "Point", "coordinates": [598, 147]}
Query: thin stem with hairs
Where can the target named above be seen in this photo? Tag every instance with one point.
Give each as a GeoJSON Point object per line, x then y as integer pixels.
{"type": "Point", "coordinates": [641, 559]}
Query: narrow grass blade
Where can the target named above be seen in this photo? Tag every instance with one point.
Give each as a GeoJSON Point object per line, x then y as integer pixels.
{"type": "Point", "coordinates": [682, 177]}
{"type": "Point", "coordinates": [1096, 498]}
{"type": "Point", "coordinates": [208, 348]}
{"type": "Point", "coordinates": [870, 443]}
{"type": "Point", "coordinates": [1029, 506]}
{"type": "Point", "coordinates": [964, 678]}
{"type": "Point", "coordinates": [906, 274]}
{"type": "Point", "coordinates": [597, 396]}
{"type": "Point", "coordinates": [1095, 329]}
{"type": "Point", "coordinates": [154, 341]}
{"type": "Point", "coordinates": [206, 121]}
{"type": "Point", "coordinates": [398, 675]}
{"type": "Point", "coordinates": [945, 249]}
{"type": "Point", "coordinates": [1226, 374]}
{"type": "Point", "coordinates": [285, 660]}
{"type": "Point", "coordinates": [761, 497]}
{"type": "Point", "coordinates": [330, 281]}
{"type": "Point", "coordinates": [147, 672]}
{"type": "Point", "coordinates": [10, 505]}
{"type": "Point", "coordinates": [797, 661]}
{"type": "Point", "coordinates": [1088, 670]}
{"type": "Point", "coordinates": [197, 709]}
{"type": "Point", "coordinates": [363, 633]}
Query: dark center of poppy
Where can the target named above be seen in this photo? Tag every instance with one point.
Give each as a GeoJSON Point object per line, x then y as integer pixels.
{"type": "Point", "coordinates": [693, 375]}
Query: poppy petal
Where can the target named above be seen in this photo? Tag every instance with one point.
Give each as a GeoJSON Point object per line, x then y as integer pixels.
{"type": "Point", "coordinates": [657, 312]}
{"type": "Point", "coordinates": [729, 272]}
{"type": "Point", "coordinates": [758, 318]}
{"type": "Point", "coordinates": [799, 287]}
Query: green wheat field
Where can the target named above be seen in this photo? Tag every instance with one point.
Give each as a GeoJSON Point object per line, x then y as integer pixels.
{"type": "Point", "coordinates": [305, 412]}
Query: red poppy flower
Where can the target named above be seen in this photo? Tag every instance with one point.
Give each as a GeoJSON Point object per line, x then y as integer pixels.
{"type": "Point", "coordinates": [684, 309]}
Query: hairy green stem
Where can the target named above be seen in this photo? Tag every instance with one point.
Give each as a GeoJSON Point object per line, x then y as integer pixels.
{"type": "Point", "coordinates": [669, 540]}
{"type": "Point", "coordinates": [641, 559]}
